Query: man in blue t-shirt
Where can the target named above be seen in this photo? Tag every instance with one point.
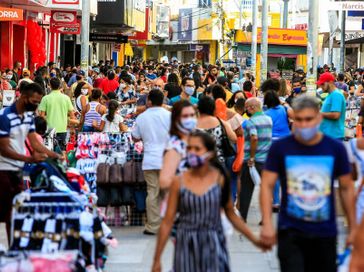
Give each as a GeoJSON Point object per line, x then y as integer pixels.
{"type": "Point", "coordinates": [188, 88]}
{"type": "Point", "coordinates": [334, 108]}
{"type": "Point", "coordinates": [306, 163]}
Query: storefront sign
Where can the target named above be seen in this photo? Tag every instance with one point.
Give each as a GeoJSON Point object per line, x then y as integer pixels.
{"type": "Point", "coordinates": [111, 38]}
{"type": "Point", "coordinates": [8, 97]}
{"type": "Point", "coordinates": [353, 35]}
{"type": "Point", "coordinates": [278, 36]}
{"type": "Point", "coordinates": [66, 2]}
{"type": "Point", "coordinates": [185, 25]}
{"type": "Point", "coordinates": [346, 5]}
{"type": "Point", "coordinates": [11, 14]}
{"type": "Point", "coordinates": [65, 22]}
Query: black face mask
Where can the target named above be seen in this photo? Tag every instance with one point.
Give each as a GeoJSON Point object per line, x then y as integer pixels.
{"type": "Point", "coordinates": [30, 106]}
{"type": "Point", "coordinates": [249, 114]}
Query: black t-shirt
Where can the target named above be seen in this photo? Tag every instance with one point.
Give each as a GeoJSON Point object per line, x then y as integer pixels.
{"type": "Point", "coordinates": [307, 175]}
{"type": "Point", "coordinates": [172, 89]}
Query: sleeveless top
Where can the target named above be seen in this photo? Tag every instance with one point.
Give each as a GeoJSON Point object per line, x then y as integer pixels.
{"type": "Point", "coordinates": [78, 103]}
{"type": "Point", "coordinates": [217, 133]}
{"type": "Point", "coordinates": [200, 240]}
{"type": "Point", "coordinates": [92, 114]}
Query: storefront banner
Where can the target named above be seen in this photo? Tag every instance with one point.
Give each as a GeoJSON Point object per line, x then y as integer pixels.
{"type": "Point", "coordinates": [278, 36]}
{"type": "Point", "coordinates": [65, 22]}
{"type": "Point", "coordinates": [66, 2]}
{"type": "Point", "coordinates": [346, 5]}
{"type": "Point", "coordinates": [185, 25]}
{"type": "Point", "coordinates": [11, 14]}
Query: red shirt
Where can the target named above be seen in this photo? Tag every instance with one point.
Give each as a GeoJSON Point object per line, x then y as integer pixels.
{"type": "Point", "coordinates": [248, 94]}
{"type": "Point", "coordinates": [98, 82]}
{"type": "Point", "coordinates": [109, 86]}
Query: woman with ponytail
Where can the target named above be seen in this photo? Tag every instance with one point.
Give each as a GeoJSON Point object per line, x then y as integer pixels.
{"type": "Point", "coordinates": [198, 196]}
{"type": "Point", "coordinates": [111, 122]}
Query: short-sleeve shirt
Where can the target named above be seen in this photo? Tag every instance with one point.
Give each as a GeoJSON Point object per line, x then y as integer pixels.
{"type": "Point", "coordinates": [112, 127]}
{"type": "Point", "coordinates": [57, 106]}
{"type": "Point", "coordinates": [108, 86]}
{"type": "Point", "coordinates": [334, 102]}
{"type": "Point", "coordinates": [259, 125]}
{"type": "Point", "coordinates": [193, 100]}
{"type": "Point", "coordinates": [307, 175]}
{"type": "Point", "coordinates": [152, 127]}
{"type": "Point", "coordinates": [280, 121]}
{"type": "Point", "coordinates": [180, 147]}
{"type": "Point", "coordinates": [16, 128]}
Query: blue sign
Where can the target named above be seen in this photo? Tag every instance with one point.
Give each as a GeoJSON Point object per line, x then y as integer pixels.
{"type": "Point", "coordinates": [185, 25]}
{"type": "Point", "coordinates": [362, 24]}
{"type": "Point", "coordinates": [356, 13]}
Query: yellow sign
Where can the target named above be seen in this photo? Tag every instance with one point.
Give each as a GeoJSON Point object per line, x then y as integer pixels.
{"type": "Point", "coordinates": [204, 32]}
{"type": "Point", "coordinates": [278, 36]}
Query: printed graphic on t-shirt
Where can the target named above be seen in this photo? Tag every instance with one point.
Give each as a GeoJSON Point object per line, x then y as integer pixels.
{"type": "Point", "coordinates": [309, 187]}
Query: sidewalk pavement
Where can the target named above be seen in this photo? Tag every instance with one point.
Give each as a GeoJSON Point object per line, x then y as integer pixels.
{"type": "Point", "coordinates": [135, 251]}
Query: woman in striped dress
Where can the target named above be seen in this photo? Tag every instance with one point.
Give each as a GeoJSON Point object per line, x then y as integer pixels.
{"type": "Point", "coordinates": [198, 196]}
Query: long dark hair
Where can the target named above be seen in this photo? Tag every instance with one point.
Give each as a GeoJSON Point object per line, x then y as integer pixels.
{"type": "Point", "coordinates": [209, 142]}
{"type": "Point", "coordinates": [113, 106]}
{"type": "Point", "coordinates": [78, 89]}
{"type": "Point", "coordinates": [176, 115]}
{"type": "Point", "coordinates": [231, 102]}
{"type": "Point", "coordinates": [173, 78]}
{"type": "Point", "coordinates": [271, 99]}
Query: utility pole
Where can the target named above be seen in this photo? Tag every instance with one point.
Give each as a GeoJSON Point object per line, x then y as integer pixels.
{"type": "Point", "coordinates": [85, 33]}
{"type": "Point", "coordinates": [312, 47]}
{"type": "Point", "coordinates": [285, 13]}
{"type": "Point", "coordinates": [342, 42]}
{"type": "Point", "coordinates": [264, 43]}
{"type": "Point", "coordinates": [254, 37]}
{"type": "Point", "coordinates": [222, 20]}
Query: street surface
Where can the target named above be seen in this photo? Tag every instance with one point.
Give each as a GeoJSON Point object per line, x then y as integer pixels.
{"type": "Point", "coordinates": [135, 251]}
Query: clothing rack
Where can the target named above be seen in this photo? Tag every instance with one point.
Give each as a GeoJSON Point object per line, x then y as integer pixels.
{"type": "Point", "coordinates": [49, 203]}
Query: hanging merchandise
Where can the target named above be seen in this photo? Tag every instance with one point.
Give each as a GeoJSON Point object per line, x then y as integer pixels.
{"type": "Point", "coordinates": [36, 46]}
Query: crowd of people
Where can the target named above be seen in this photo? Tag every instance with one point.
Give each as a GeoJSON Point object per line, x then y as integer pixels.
{"type": "Point", "coordinates": [210, 138]}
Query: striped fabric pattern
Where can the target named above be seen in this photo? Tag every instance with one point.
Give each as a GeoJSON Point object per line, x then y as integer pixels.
{"type": "Point", "coordinates": [200, 240]}
{"type": "Point", "coordinates": [260, 125]}
{"type": "Point", "coordinates": [92, 114]}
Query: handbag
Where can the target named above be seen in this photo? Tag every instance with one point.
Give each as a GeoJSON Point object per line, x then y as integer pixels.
{"type": "Point", "coordinates": [103, 173]}
{"type": "Point", "coordinates": [129, 172]}
{"type": "Point", "coordinates": [139, 172]}
{"type": "Point", "coordinates": [116, 173]}
{"type": "Point", "coordinates": [238, 163]}
{"type": "Point", "coordinates": [227, 149]}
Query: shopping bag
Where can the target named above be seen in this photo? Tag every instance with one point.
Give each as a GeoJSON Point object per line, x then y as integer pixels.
{"type": "Point", "coordinates": [238, 163]}
{"type": "Point", "coordinates": [254, 175]}
{"type": "Point", "coordinates": [344, 261]}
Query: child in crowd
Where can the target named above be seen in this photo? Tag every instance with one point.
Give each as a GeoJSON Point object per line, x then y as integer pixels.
{"type": "Point", "coordinates": [112, 122]}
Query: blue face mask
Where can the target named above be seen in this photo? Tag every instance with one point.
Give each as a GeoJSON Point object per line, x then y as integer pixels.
{"type": "Point", "coordinates": [52, 75]}
{"type": "Point", "coordinates": [189, 90]}
{"type": "Point", "coordinates": [297, 90]}
{"type": "Point", "coordinates": [187, 125]}
{"type": "Point", "coordinates": [196, 161]}
{"type": "Point", "coordinates": [307, 134]}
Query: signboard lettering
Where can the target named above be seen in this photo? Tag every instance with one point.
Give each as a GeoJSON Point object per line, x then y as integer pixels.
{"type": "Point", "coordinates": [111, 38]}
{"type": "Point", "coordinates": [65, 22]}
{"type": "Point", "coordinates": [11, 14]}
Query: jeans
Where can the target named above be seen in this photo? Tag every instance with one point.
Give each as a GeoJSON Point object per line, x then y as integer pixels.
{"type": "Point", "coordinates": [302, 252]}
{"type": "Point", "coordinates": [88, 129]}
{"type": "Point", "coordinates": [276, 193]}
{"type": "Point", "coordinates": [233, 176]}
{"type": "Point", "coordinates": [247, 188]}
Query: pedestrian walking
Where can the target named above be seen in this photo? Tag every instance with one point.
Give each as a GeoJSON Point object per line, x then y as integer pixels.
{"type": "Point", "coordinates": [306, 163]}
{"type": "Point", "coordinates": [333, 108]}
{"type": "Point", "coordinates": [258, 139]}
{"type": "Point", "coordinates": [152, 127]}
{"type": "Point", "coordinates": [198, 195]}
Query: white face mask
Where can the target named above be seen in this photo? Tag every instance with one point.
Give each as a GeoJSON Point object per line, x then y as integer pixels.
{"type": "Point", "coordinates": [84, 91]}
{"type": "Point", "coordinates": [9, 77]}
{"type": "Point", "coordinates": [122, 86]}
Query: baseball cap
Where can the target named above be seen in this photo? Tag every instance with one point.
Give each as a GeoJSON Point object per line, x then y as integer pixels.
{"type": "Point", "coordinates": [325, 77]}
{"type": "Point", "coordinates": [96, 70]}
{"type": "Point", "coordinates": [81, 73]}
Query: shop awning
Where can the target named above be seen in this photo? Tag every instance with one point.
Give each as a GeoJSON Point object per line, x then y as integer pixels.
{"type": "Point", "coordinates": [277, 49]}
{"type": "Point", "coordinates": [356, 41]}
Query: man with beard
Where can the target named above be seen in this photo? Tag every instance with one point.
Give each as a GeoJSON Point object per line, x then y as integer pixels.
{"type": "Point", "coordinates": [16, 124]}
{"type": "Point", "coordinates": [333, 109]}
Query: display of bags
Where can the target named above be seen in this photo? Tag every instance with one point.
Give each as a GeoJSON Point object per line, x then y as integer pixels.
{"type": "Point", "coordinates": [129, 172]}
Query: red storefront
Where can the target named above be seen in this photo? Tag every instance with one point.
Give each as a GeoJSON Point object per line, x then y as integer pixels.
{"type": "Point", "coordinates": [25, 37]}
